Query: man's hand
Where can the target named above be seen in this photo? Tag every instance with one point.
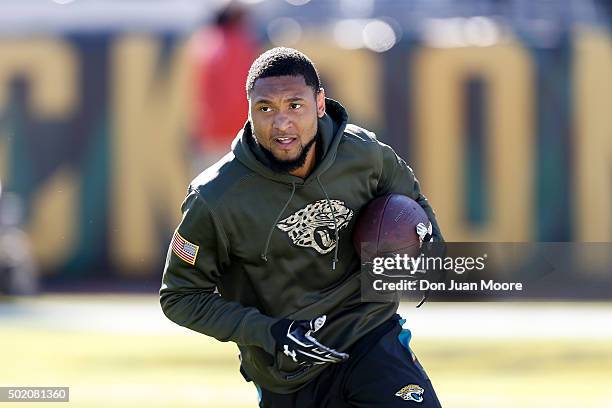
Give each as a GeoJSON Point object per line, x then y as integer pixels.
{"type": "Point", "coordinates": [295, 339]}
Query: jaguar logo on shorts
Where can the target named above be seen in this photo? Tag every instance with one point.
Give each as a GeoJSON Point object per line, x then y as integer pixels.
{"type": "Point", "coordinates": [314, 225]}
{"type": "Point", "coordinates": [411, 392]}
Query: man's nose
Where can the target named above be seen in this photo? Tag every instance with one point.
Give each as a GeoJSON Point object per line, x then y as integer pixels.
{"type": "Point", "coordinates": [281, 122]}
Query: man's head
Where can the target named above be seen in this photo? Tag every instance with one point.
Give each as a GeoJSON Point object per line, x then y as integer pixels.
{"type": "Point", "coordinates": [285, 100]}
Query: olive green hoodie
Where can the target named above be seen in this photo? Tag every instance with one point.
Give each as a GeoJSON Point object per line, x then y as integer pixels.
{"type": "Point", "coordinates": [278, 246]}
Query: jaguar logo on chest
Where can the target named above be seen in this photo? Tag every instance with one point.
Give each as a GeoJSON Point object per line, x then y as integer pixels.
{"type": "Point", "coordinates": [313, 226]}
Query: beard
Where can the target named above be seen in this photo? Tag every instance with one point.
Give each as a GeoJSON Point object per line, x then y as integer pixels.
{"type": "Point", "coordinates": [287, 166]}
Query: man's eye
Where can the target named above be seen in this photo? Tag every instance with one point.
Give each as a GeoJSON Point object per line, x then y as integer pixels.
{"type": "Point", "coordinates": [265, 109]}
{"type": "Point", "coordinates": [296, 105]}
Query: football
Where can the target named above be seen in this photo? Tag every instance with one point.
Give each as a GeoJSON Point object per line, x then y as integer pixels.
{"type": "Point", "coordinates": [388, 225]}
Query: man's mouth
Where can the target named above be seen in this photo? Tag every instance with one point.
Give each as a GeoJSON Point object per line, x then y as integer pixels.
{"type": "Point", "coordinates": [285, 141]}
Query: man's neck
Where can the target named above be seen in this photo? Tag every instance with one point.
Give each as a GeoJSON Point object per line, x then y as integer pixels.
{"type": "Point", "coordinates": [309, 164]}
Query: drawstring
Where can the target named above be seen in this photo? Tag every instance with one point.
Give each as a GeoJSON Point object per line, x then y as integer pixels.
{"type": "Point", "coordinates": [264, 254]}
{"type": "Point", "coordinates": [331, 207]}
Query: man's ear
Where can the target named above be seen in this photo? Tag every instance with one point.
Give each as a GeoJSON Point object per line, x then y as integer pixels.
{"type": "Point", "coordinates": [321, 102]}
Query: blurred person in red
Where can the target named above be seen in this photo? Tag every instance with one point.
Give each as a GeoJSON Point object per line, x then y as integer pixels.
{"type": "Point", "coordinates": [222, 54]}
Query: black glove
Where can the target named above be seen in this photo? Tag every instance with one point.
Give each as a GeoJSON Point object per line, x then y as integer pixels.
{"type": "Point", "coordinates": [431, 249]}
{"type": "Point", "coordinates": [294, 338]}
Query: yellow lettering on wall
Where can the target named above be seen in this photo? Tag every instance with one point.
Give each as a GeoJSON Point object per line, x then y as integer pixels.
{"type": "Point", "coordinates": [593, 136]}
{"type": "Point", "coordinates": [149, 158]}
{"type": "Point", "coordinates": [439, 77]}
{"type": "Point", "coordinates": [354, 76]}
{"type": "Point", "coordinates": [51, 69]}
{"type": "Point", "coordinates": [52, 224]}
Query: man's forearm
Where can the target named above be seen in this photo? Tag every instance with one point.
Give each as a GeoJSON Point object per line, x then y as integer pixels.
{"type": "Point", "coordinates": [208, 313]}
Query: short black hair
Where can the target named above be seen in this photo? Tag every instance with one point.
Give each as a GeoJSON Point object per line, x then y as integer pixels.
{"type": "Point", "coordinates": [281, 61]}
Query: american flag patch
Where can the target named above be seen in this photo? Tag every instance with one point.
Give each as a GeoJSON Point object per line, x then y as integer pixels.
{"type": "Point", "coordinates": [184, 249]}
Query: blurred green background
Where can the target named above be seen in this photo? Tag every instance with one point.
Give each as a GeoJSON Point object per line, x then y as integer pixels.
{"type": "Point", "coordinates": [501, 107]}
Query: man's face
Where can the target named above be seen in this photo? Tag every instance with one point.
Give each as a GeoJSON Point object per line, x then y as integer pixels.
{"type": "Point", "coordinates": [283, 111]}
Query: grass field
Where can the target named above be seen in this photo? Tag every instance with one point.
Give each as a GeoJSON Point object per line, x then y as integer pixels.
{"type": "Point", "coordinates": [119, 351]}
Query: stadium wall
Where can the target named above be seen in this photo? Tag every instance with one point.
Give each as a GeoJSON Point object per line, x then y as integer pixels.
{"type": "Point", "coordinates": [511, 143]}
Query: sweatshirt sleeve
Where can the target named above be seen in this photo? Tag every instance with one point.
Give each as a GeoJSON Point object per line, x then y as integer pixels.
{"type": "Point", "coordinates": [196, 257]}
{"type": "Point", "coordinates": [397, 177]}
